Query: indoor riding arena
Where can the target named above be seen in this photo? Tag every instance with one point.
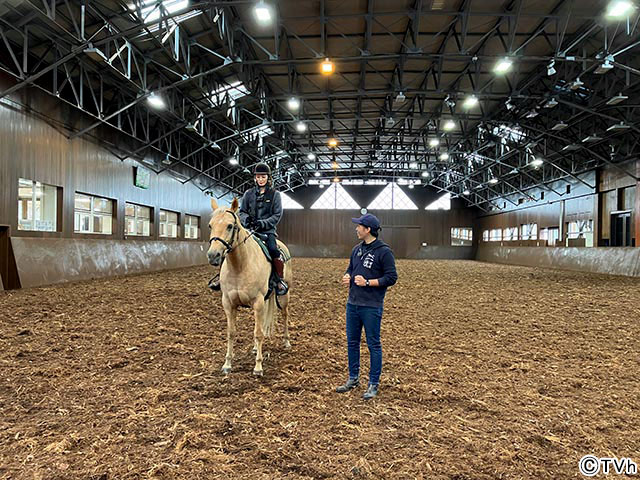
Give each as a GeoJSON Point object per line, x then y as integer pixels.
{"type": "Point", "coordinates": [485, 153]}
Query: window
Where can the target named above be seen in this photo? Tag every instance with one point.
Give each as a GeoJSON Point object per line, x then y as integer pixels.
{"type": "Point", "coordinates": [37, 206]}
{"type": "Point", "coordinates": [191, 227]}
{"type": "Point", "coordinates": [289, 203]}
{"type": "Point", "coordinates": [93, 214]}
{"type": "Point", "coordinates": [152, 10]}
{"type": "Point", "coordinates": [550, 234]}
{"type": "Point", "coordinates": [495, 235]}
{"type": "Point", "coordinates": [461, 236]}
{"type": "Point", "coordinates": [232, 91]}
{"type": "Point", "coordinates": [579, 228]}
{"type": "Point", "coordinates": [510, 234]}
{"type": "Point", "coordinates": [335, 198]}
{"type": "Point", "coordinates": [137, 220]}
{"type": "Point", "coordinates": [168, 224]}
{"type": "Point", "coordinates": [485, 236]}
{"type": "Point", "coordinates": [529, 231]}
{"type": "Point", "coordinates": [443, 203]}
{"type": "Point", "coordinates": [392, 198]}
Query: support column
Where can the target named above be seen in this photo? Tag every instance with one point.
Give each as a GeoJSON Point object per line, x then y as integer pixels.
{"type": "Point", "coordinates": [561, 227]}
{"type": "Point", "coordinates": [635, 218]}
{"type": "Point", "coordinates": [597, 213]}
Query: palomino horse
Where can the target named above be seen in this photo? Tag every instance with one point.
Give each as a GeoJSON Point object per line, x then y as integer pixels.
{"type": "Point", "coordinates": [244, 279]}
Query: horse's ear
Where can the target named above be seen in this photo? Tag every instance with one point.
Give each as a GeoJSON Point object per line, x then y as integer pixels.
{"type": "Point", "coordinates": [214, 204]}
{"type": "Point", "coordinates": [234, 205]}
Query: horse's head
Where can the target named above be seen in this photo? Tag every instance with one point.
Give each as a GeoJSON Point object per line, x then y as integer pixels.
{"type": "Point", "coordinates": [224, 229]}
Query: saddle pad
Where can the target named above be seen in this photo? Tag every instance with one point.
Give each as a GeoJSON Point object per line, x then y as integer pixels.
{"type": "Point", "coordinates": [265, 250]}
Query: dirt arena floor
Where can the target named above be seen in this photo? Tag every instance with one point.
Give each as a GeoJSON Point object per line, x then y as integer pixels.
{"type": "Point", "coordinates": [490, 372]}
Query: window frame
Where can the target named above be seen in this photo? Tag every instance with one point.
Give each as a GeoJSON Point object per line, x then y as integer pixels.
{"type": "Point", "coordinates": [161, 223]}
{"type": "Point", "coordinates": [187, 226]}
{"type": "Point", "coordinates": [57, 227]}
{"type": "Point", "coordinates": [92, 213]}
{"type": "Point", "coordinates": [136, 218]}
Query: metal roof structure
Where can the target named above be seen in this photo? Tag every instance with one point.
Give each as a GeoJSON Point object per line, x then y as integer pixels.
{"type": "Point", "coordinates": [481, 99]}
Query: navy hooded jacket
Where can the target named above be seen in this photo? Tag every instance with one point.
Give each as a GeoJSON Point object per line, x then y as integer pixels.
{"type": "Point", "coordinates": [372, 261]}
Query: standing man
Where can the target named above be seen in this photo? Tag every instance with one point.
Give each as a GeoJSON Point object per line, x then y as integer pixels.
{"type": "Point", "coordinates": [372, 269]}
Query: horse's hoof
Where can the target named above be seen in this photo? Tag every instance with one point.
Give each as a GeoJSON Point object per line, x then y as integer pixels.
{"type": "Point", "coordinates": [258, 373]}
{"type": "Point", "coordinates": [287, 345]}
{"type": "Point", "coordinates": [255, 350]}
{"type": "Point", "coordinates": [226, 370]}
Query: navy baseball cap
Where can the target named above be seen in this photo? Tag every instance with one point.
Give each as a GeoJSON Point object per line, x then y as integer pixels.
{"type": "Point", "coordinates": [368, 220]}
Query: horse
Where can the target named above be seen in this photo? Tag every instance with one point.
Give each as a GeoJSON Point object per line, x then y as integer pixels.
{"type": "Point", "coordinates": [244, 280]}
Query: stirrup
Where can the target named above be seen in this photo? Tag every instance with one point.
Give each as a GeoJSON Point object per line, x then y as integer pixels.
{"type": "Point", "coordinates": [281, 288]}
{"type": "Point", "coordinates": [214, 283]}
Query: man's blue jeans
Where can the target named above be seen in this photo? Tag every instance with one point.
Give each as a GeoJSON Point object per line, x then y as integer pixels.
{"type": "Point", "coordinates": [370, 318]}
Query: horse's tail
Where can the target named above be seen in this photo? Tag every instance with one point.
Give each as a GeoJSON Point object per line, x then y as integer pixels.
{"type": "Point", "coordinates": [270, 317]}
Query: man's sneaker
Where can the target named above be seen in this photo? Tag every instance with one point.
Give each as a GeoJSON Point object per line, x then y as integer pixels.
{"type": "Point", "coordinates": [371, 392]}
{"type": "Point", "coordinates": [350, 385]}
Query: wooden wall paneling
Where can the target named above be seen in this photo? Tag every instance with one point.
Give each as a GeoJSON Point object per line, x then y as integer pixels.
{"type": "Point", "coordinates": [608, 204]}
{"type": "Point", "coordinates": [31, 148]}
{"type": "Point", "coordinates": [317, 229]}
{"type": "Point", "coordinates": [612, 178]}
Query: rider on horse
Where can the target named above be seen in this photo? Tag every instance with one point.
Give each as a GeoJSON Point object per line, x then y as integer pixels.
{"type": "Point", "coordinates": [261, 211]}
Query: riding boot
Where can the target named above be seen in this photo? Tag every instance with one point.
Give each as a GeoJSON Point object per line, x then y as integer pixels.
{"type": "Point", "coordinates": [282, 287]}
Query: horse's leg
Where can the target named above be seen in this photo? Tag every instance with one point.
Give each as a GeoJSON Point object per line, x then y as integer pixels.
{"type": "Point", "coordinates": [259, 311]}
{"type": "Point", "coordinates": [231, 313]}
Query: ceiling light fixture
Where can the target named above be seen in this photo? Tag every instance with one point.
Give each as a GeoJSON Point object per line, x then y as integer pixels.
{"type": "Point", "coordinates": [327, 67]}
{"type": "Point", "coordinates": [311, 156]}
{"type": "Point", "coordinates": [571, 147]}
{"type": "Point", "coordinates": [503, 65]}
{"type": "Point", "coordinates": [262, 12]}
{"type": "Point", "coordinates": [449, 125]}
{"type": "Point", "coordinates": [605, 66]}
{"type": "Point", "coordinates": [156, 101]}
{"type": "Point", "coordinates": [617, 99]}
{"type": "Point", "coordinates": [301, 127]}
{"type": "Point", "coordinates": [470, 102]}
{"type": "Point", "coordinates": [618, 127]}
{"type": "Point", "coordinates": [293, 103]}
{"type": "Point", "coordinates": [434, 142]}
{"type": "Point", "coordinates": [444, 156]}
{"type": "Point", "coordinates": [333, 143]}
{"type": "Point", "coordinates": [551, 68]}
{"type": "Point", "coordinates": [536, 162]}
{"type": "Point", "coordinates": [559, 126]}
{"type": "Point", "coordinates": [576, 84]}
{"type": "Point", "coordinates": [619, 9]}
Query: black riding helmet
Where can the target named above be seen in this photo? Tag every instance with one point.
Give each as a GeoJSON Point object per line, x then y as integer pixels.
{"type": "Point", "coordinates": [262, 169]}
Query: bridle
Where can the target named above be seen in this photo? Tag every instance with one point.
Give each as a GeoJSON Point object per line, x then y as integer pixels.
{"type": "Point", "coordinates": [229, 245]}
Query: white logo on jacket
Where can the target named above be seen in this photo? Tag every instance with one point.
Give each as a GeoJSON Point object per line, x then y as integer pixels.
{"type": "Point", "coordinates": [368, 260]}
